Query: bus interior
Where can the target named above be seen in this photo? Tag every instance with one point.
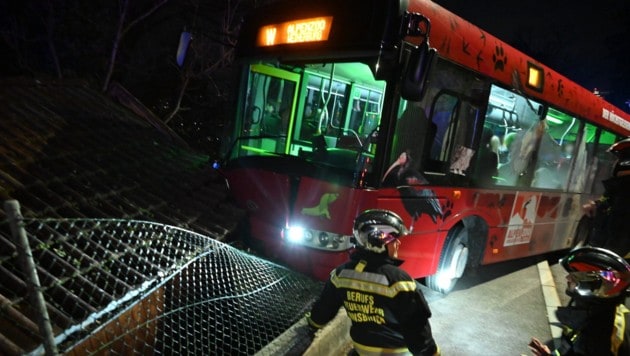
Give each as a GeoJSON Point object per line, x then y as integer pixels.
{"type": "Point", "coordinates": [327, 112]}
{"type": "Point", "coordinates": [537, 146]}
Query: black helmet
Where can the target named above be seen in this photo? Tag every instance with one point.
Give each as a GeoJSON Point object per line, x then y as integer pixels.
{"type": "Point", "coordinates": [596, 272]}
{"type": "Point", "coordinates": [374, 229]}
{"type": "Point", "coordinates": [621, 150]}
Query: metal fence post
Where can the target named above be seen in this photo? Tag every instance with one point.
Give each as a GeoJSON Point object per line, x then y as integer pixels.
{"type": "Point", "coordinates": [16, 221]}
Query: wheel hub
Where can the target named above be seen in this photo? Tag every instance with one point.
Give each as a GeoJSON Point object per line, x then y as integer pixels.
{"type": "Point", "coordinates": [458, 263]}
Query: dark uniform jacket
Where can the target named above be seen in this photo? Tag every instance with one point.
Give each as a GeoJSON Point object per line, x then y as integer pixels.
{"type": "Point", "coordinates": [388, 312]}
{"type": "Point", "coordinates": [596, 330]}
{"type": "Point", "coordinates": [611, 225]}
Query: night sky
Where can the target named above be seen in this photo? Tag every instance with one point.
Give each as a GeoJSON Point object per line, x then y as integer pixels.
{"type": "Point", "coordinates": [587, 41]}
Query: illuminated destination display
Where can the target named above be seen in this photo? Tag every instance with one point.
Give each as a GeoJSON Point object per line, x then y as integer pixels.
{"type": "Point", "coordinates": [299, 31]}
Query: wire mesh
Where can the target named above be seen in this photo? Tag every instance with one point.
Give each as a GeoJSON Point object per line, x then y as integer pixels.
{"type": "Point", "coordinates": [136, 287]}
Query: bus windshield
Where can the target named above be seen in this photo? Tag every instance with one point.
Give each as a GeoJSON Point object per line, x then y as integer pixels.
{"type": "Point", "coordinates": [326, 113]}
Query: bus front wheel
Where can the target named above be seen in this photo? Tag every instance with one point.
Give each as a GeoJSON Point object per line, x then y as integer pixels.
{"type": "Point", "coordinates": [453, 260]}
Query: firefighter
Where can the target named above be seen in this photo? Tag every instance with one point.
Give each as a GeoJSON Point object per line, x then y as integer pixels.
{"type": "Point", "coordinates": [610, 213]}
{"type": "Point", "coordinates": [389, 313]}
{"type": "Point", "coordinates": [596, 321]}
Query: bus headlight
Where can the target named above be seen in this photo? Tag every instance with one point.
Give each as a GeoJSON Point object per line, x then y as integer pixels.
{"type": "Point", "coordinates": [296, 234]}
{"type": "Point", "coordinates": [321, 240]}
{"type": "Point", "coordinates": [308, 235]}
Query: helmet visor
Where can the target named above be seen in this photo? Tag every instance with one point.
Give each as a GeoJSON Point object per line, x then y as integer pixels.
{"type": "Point", "coordinates": [601, 284]}
{"type": "Point", "coordinates": [379, 237]}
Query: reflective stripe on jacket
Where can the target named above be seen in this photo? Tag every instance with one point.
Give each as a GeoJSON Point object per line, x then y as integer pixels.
{"type": "Point", "coordinates": [388, 312]}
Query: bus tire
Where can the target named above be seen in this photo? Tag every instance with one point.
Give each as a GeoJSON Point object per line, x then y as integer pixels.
{"type": "Point", "coordinates": [453, 261]}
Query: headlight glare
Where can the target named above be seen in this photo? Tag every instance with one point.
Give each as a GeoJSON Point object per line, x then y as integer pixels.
{"type": "Point", "coordinates": [295, 234]}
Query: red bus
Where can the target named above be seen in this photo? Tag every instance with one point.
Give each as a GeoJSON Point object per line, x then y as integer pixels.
{"type": "Point", "coordinates": [486, 153]}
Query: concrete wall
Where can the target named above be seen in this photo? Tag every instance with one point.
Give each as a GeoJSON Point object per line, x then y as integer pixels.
{"type": "Point", "coordinates": [300, 339]}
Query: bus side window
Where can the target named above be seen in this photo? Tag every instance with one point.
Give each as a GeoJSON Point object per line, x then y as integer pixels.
{"type": "Point", "coordinates": [507, 175]}
{"type": "Point", "coordinates": [601, 169]}
{"type": "Point", "coordinates": [518, 123]}
{"type": "Point", "coordinates": [487, 159]}
{"type": "Point", "coordinates": [577, 176]}
{"type": "Point", "coordinates": [551, 164]}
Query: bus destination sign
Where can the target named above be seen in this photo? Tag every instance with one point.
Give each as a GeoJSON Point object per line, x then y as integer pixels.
{"type": "Point", "coordinates": [314, 29]}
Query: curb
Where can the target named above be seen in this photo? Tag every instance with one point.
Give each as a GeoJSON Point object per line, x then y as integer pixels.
{"type": "Point", "coordinates": [332, 339]}
{"type": "Point", "coordinates": [301, 339]}
{"type": "Point", "coordinates": [552, 301]}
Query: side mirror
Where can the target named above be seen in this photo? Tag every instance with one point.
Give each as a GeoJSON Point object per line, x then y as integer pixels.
{"type": "Point", "coordinates": [415, 72]}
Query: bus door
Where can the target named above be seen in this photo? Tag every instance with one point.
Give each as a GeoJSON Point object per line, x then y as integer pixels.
{"type": "Point", "coordinates": [442, 131]}
{"type": "Point", "coordinates": [456, 120]}
{"type": "Point", "coordinates": [269, 109]}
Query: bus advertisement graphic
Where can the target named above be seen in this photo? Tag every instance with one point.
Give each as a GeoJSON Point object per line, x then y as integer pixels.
{"type": "Point", "coordinates": [522, 218]}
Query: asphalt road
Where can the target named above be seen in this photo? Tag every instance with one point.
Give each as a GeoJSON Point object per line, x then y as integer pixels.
{"type": "Point", "coordinates": [496, 309]}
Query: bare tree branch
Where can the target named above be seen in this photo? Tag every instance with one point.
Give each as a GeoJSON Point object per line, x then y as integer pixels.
{"type": "Point", "coordinates": [178, 102]}
{"type": "Point", "coordinates": [144, 16]}
{"type": "Point", "coordinates": [121, 30]}
{"type": "Point", "coordinates": [210, 53]}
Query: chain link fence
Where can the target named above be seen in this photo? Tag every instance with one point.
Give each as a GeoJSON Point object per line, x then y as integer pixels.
{"type": "Point", "coordinates": [109, 286]}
